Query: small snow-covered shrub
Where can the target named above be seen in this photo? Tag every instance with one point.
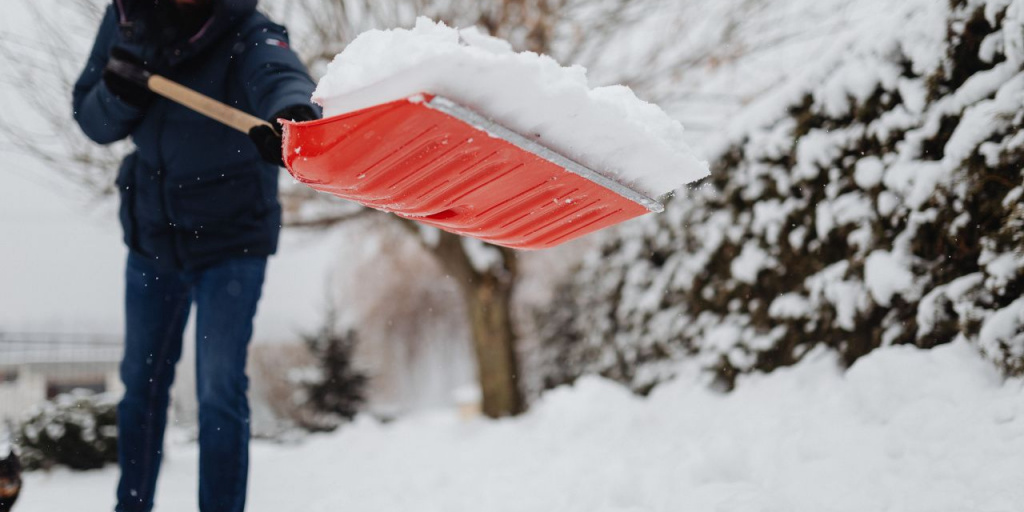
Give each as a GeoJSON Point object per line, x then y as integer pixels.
{"type": "Point", "coordinates": [77, 430]}
{"type": "Point", "coordinates": [332, 391]}
{"type": "Point", "coordinates": [876, 201]}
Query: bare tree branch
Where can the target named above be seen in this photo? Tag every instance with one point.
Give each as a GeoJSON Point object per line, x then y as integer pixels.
{"type": "Point", "coordinates": [328, 221]}
{"type": "Point", "coordinates": [40, 72]}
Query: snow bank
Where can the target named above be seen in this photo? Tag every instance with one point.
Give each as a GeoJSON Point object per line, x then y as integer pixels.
{"type": "Point", "coordinates": [904, 429]}
{"type": "Point", "coordinates": [606, 128]}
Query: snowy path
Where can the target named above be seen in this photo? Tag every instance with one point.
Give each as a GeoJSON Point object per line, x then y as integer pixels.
{"type": "Point", "coordinates": [904, 430]}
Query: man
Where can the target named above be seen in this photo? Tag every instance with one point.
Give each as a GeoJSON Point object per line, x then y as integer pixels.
{"type": "Point", "coordinates": [200, 215]}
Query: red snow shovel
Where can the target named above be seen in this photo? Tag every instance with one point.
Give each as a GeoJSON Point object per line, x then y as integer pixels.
{"type": "Point", "coordinates": [433, 161]}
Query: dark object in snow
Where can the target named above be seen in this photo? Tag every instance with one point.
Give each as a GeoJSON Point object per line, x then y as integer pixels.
{"type": "Point", "coordinates": [77, 430]}
{"type": "Point", "coordinates": [334, 390]}
{"type": "Point", "coordinates": [10, 481]}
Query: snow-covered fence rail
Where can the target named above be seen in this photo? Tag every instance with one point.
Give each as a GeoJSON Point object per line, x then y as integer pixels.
{"type": "Point", "coordinates": [37, 347]}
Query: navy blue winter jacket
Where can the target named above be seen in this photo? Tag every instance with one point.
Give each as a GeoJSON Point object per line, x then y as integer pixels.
{"type": "Point", "coordinates": [194, 192]}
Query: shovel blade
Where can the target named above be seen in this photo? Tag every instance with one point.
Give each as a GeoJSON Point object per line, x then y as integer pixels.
{"type": "Point", "coordinates": [430, 160]}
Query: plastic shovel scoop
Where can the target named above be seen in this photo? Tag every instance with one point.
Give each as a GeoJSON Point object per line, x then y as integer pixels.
{"type": "Point", "coordinates": [428, 159]}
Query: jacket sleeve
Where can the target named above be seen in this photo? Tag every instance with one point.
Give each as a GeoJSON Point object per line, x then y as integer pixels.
{"type": "Point", "coordinates": [102, 116]}
{"type": "Point", "coordinates": [274, 76]}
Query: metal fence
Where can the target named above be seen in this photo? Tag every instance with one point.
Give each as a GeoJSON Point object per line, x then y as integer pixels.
{"type": "Point", "coordinates": [37, 366]}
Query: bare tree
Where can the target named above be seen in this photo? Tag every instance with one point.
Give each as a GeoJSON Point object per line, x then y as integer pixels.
{"type": "Point", "coordinates": [39, 70]}
{"type": "Point", "coordinates": [487, 290]}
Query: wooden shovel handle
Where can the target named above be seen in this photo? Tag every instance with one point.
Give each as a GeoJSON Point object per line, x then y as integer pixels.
{"type": "Point", "coordinates": [205, 105]}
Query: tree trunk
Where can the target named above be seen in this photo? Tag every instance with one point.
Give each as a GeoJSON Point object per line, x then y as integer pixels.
{"type": "Point", "coordinates": [488, 298]}
{"type": "Point", "coordinates": [488, 303]}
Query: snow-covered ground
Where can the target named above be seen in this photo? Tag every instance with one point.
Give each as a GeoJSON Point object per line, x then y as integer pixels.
{"type": "Point", "coordinates": [903, 430]}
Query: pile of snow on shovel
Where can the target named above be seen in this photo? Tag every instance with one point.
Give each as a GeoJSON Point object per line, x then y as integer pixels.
{"type": "Point", "coordinates": [607, 129]}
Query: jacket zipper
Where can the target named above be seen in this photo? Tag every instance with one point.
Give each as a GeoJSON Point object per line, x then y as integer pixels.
{"type": "Point", "coordinates": [162, 183]}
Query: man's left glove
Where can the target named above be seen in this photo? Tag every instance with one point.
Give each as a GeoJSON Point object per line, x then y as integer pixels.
{"type": "Point", "coordinates": [269, 142]}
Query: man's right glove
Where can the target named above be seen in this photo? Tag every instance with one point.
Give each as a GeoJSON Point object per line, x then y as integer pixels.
{"type": "Point", "coordinates": [128, 84]}
{"type": "Point", "coordinates": [268, 141]}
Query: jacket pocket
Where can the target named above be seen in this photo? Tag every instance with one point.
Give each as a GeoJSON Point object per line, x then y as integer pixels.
{"type": "Point", "coordinates": [125, 183]}
{"type": "Point", "coordinates": [231, 197]}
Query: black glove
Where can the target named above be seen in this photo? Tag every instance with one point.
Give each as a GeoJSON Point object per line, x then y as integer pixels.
{"type": "Point", "coordinates": [125, 76]}
{"type": "Point", "coordinates": [269, 142]}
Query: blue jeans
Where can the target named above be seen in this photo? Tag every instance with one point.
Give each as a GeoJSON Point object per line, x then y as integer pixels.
{"type": "Point", "coordinates": [157, 304]}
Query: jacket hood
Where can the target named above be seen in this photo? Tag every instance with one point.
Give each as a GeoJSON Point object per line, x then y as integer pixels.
{"type": "Point", "coordinates": [151, 22]}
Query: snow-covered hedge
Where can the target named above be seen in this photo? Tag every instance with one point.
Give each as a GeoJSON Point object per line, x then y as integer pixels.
{"type": "Point", "coordinates": [875, 200]}
{"type": "Point", "coordinates": [77, 430]}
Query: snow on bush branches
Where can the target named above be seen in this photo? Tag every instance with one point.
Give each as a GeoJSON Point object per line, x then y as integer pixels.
{"type": "Point", "coordinates": [77, 429]}
{"type": "Point", "coordinates": [875, 201]}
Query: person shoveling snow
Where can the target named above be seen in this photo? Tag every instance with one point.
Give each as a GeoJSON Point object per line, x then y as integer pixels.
{"type": "Point", "coordinates": [200, 214]}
